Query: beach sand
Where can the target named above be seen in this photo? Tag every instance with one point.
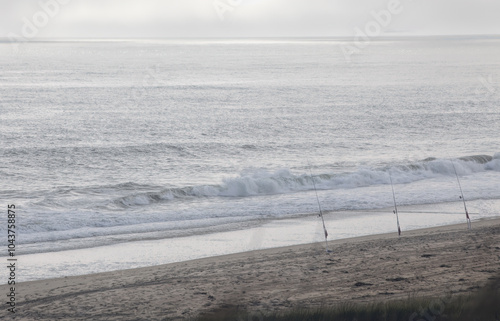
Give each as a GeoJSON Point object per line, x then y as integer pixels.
{"type": "Point", "coordinates": [435, 261]}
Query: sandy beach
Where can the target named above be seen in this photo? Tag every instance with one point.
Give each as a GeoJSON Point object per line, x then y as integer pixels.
{"type": "Point", "coordinates": [435, 261]}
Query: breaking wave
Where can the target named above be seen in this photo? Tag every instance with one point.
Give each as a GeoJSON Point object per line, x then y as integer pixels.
{"type": "Point", "coordinates": [262, 182]}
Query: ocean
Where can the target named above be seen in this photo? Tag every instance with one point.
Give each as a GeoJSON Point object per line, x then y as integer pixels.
{"type": "Point", "coordinates": [187, 148]}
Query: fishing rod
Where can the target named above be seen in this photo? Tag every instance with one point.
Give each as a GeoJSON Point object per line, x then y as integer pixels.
{"type": "Point", "coordinates": [469, 225]}
{"type": "Point", "coordinates": [395, 206]}
{"type": "Point", "coordinates": [320, 211]}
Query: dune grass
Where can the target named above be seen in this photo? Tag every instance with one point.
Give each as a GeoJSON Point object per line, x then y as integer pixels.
{"type": "Point", "coordinates": [483, 305]}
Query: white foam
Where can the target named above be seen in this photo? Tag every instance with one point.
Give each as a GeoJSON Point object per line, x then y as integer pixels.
{"type": "Point", "coordinates": [282, 181]}
{"type": "Point", "coordinates": [272, 234]}
{"type": "Point", "coordinates": [253, 195]}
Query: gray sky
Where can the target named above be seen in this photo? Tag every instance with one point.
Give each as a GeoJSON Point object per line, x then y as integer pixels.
{"type": "Point", "coordinates": [244, 18]}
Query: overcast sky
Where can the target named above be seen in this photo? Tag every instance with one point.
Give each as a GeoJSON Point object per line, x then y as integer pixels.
{"type": "Point", "coordinates": [244, 18]}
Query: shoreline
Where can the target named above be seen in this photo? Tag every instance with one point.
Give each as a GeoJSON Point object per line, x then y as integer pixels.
{"type": "Point", "coordinates": [431, 261]}
{"type": "Point", "coordinates": [267, 235]}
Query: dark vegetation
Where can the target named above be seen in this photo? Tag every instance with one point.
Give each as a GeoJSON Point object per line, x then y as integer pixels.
{"type": "Point", "coordinates": [483, 305]}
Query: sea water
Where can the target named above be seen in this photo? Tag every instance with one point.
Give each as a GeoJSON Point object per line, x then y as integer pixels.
{"type": "Point", "coordinates": [164, 145]}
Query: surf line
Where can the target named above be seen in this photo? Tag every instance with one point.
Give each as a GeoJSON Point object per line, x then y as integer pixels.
{"type": "Point", "coordinates": [320, 211]}
{"type": "Point", "coordinates": [395, 206]}
{"type": "Point", "coordinates": [469, 225]}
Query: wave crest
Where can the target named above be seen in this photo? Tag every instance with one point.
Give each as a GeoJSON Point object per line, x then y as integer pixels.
{"type": "Point", "coordinates": [262, 182]}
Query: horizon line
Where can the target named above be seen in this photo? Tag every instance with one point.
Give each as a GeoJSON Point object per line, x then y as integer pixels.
{"type": "Point", "coordinates": [345, 37]}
